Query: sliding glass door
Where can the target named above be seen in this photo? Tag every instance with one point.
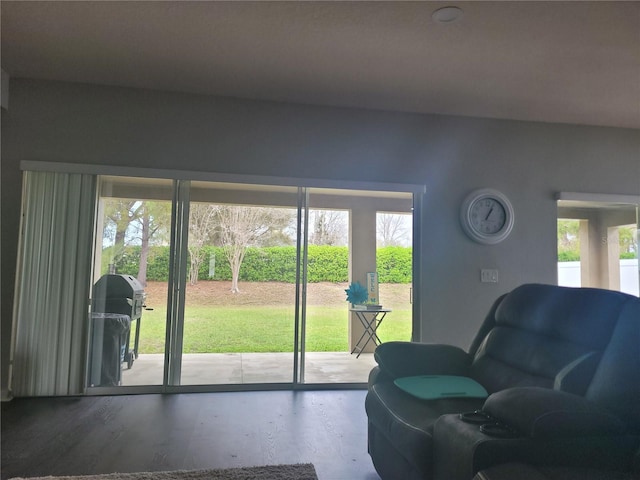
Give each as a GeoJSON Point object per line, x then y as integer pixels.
{"type": "Point", "coordinates": [240, 293]}
{"type": "Point", "coordinates": [133, 246]}
{"type": "Point", "coordinates": [344, 237]}
{"type": "Point", "coordinates": [244, 284]}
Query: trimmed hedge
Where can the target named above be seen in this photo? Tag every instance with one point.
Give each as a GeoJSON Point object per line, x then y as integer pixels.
{"type": "Point", "coordinates": [568, 256]}
{"type": "Point", "coordinates": [275, 264]}
{"type": "Point", "coordinates": [394, 264]}
{"type": "Point", "coordinates": [278, 264]}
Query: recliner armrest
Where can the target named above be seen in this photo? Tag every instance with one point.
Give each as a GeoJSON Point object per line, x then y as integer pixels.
{"type": "Point", "coordinates": [406, 359]}
{"type": "Point", "coordinates": [544, 413]}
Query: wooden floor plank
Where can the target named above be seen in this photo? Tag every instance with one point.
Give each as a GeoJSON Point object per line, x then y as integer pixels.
{"type": "Point", "coordinates": [129, 433]}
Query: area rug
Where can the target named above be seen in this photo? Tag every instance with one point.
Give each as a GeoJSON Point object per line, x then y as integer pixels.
{"type": "Point", "coordinates": [302, 471]}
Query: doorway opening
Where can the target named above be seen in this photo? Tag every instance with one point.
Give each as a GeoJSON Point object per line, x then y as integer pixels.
{"type": "Point", "coordinates": [598, 243]}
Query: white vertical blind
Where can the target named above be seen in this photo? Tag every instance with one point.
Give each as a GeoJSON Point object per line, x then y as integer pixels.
{"type": "Point", "coordinates": [54, 280]}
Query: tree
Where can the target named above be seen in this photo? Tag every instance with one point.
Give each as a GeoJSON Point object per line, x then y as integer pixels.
{"type": "Point", "coordinates": [329, 227]}
{"type": "Point", "coordinates": [241, 227]}
{"type": "Point", "coordinates": [146, 233]}
{"type": "Point", "coordinates": [628, 240]}
{"type": "Point", "coordinates": [130, 222]}
{"type": "Point", "coordinates": [119, 214]}
{"type": "Point", "coordinates": [154, 220]}
{"type": "Point", "coordinates": [568, 240]}
{"type": "Point", "coordinates": [280, 226]}
{"type": "Point", "coordinates": [202, 224]}
{"type": "Point", "coordinates": [392, 230]}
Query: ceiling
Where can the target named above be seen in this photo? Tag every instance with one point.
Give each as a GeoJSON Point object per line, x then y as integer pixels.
{"type": "Point", "coordinates": [568, 62]}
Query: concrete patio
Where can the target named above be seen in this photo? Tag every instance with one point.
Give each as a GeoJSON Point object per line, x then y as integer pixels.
{"type": "Point", "coordinates": [245, 368]}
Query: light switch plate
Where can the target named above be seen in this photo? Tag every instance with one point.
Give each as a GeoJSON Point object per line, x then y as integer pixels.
{"type": "Point", "coordinates": [488, 275]}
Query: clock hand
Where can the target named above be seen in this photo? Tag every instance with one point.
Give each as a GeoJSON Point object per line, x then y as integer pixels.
{"type": "Point", "coordinates": [489, 214]}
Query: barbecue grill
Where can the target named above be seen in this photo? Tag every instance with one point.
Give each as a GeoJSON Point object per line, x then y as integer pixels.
{"type": "Point", "coordinates": [122, 294]}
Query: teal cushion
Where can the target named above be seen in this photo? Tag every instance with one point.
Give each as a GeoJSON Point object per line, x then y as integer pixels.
{"type": "Point", "coordinates": [429, 387]}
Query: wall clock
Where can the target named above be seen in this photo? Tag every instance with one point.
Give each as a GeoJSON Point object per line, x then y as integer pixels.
{"type": "Point", "coordinates": [487, 216]}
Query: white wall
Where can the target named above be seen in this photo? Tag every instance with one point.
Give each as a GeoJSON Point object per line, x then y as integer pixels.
{"type": "Point", "coordinates": [529, 162]}
{"type": "Point", "coordinates": [569, 275]}
{"type": "Point", "coordinates": [629, 278]}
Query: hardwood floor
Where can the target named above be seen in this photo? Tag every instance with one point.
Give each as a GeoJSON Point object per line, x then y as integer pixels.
{"type": "Point", "coordinates": [87, 435]}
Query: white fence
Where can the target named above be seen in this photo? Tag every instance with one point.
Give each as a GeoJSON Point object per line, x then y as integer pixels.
{"type": "Point", "coordinates": [569, 275]}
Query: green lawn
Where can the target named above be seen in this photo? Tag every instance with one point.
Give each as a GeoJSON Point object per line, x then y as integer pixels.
{"type": "Point", "coordinates": [262, 329]}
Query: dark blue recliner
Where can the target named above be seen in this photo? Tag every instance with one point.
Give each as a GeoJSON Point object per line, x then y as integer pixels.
{"type": "Point", "coordinates": [562, 370]}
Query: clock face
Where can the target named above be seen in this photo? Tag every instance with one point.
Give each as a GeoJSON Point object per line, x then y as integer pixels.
{"type": "Point", "coordinates": [487, 216]}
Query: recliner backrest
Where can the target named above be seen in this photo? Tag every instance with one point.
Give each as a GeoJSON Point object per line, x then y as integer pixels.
{"type": "Point", "coordinates": [616, 382]}
{"type": "Point", "coordinates": [547, 336]}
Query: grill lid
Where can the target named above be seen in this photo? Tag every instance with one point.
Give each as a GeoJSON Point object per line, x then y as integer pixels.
{"type": "Point", "coordinates": [113, 285]}
{"type": "Point", "coordinates": [122, 294]}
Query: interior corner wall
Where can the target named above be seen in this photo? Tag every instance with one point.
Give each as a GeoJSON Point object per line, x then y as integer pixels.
{"type": "Point", "coordinates": [529, 162]}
